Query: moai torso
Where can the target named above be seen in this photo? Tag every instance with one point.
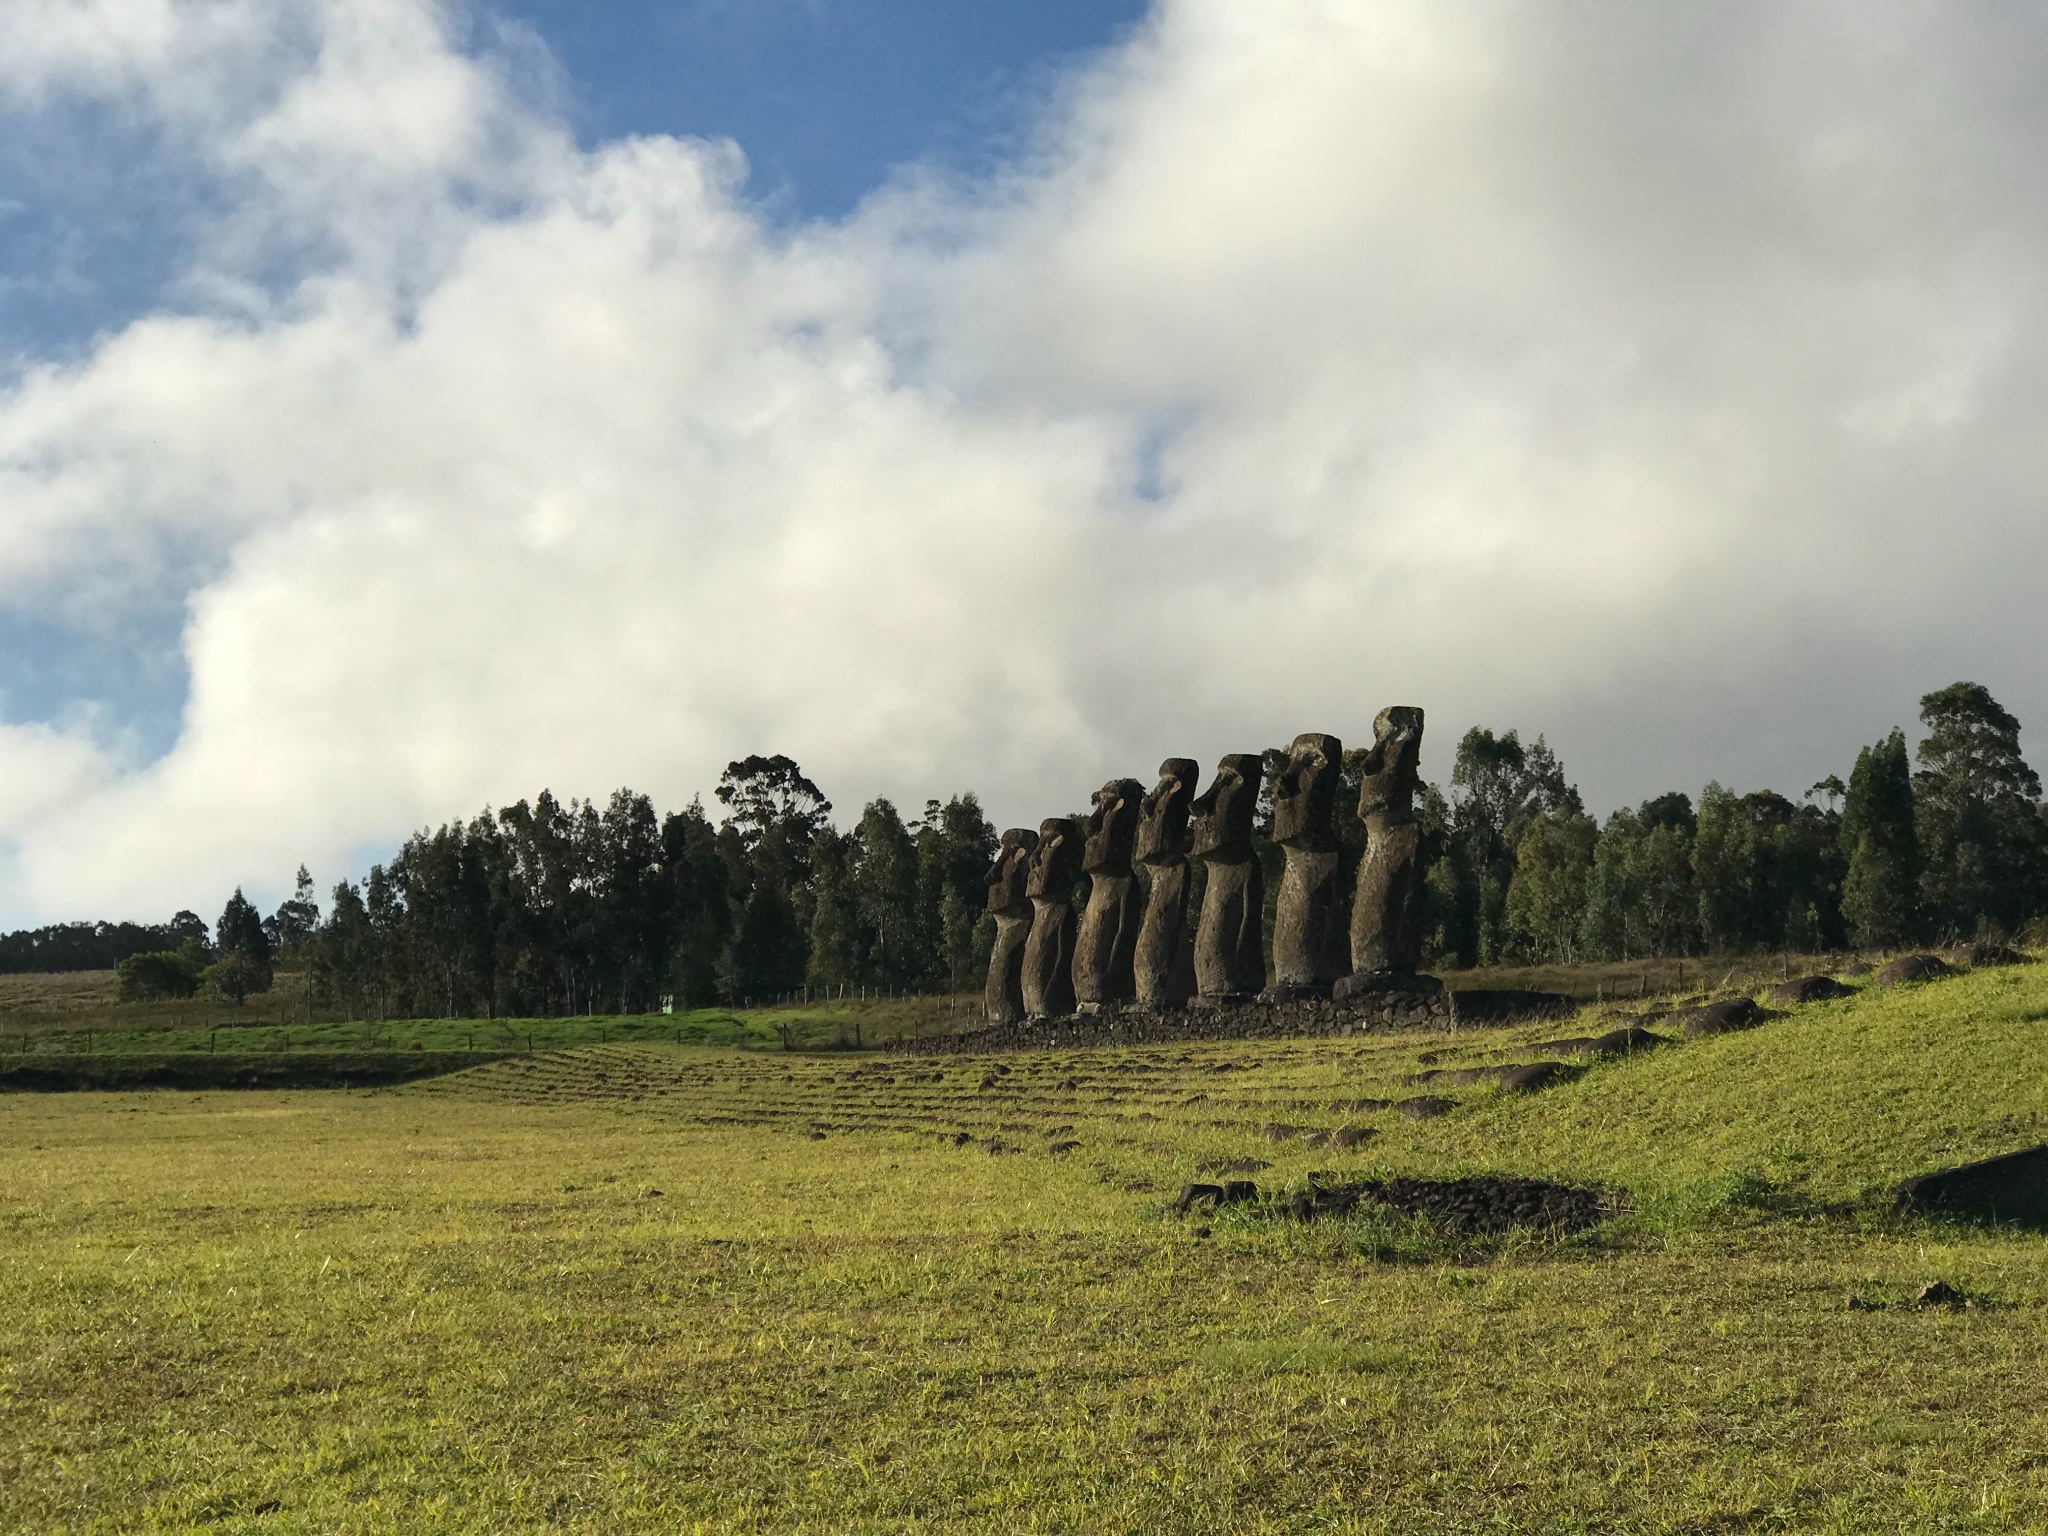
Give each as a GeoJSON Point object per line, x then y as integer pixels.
{"type": "Point", "coordinates": [1230, 960]}
{"type": "Point", "coordinates": [1047, 982]}
{"type": "Point", "coordinates": [1109, 928]}
{"type": "Point", "coordinates": [1307, 944]}
{"type": "Point", "coordinates": [1009, 903]}
{"type": "Point", "coordinates": [1163, 968]}
{"type": "Point", "coordinates": [1386, 933]}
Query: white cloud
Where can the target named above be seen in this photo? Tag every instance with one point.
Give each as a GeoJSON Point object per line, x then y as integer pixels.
{"type": "Point", "coordinates": [1669, 380]}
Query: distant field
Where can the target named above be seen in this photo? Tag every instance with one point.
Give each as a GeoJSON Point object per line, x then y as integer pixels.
{"type": "Point", "coordinates": [643, 1287]}
{"type": "Point", "coordinates": [75, 1012]}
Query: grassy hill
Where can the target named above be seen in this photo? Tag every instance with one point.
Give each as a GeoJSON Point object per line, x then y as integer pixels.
{"type": "Point", "coordinates": [641, 1286]}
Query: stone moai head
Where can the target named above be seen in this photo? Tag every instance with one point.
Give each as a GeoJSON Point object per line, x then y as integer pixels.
{"type": "Point", "coordinates": [1223, 816]}
{"type": "Point", "coordinates": [1113, 828]}
{"type": "Point", "coordinates": [1011, 873]}
{"type": "Point", "coordinates": [1056, 861]}
{"type": "Point", "coordinates": [1163, 824]}
{"type": "Point", "coordinates": [1305, 794]}
{"type": "Point", "coordinates": [1393, 767]}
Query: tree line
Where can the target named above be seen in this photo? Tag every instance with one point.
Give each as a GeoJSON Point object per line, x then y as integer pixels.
{"type": "Point", "coordinates": [556, 907]}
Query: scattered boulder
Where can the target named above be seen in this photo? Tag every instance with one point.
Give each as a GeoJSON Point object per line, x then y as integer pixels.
{"type": "Point", "coordinates": [1723, 1018]}
{"type": "Point", "coordinates": [1425, 1106]}
{"type": "Point", "coordinates": [1213, 1196]}
{"type": "Point", "coordinates": [1979, 957]}
{"type": "Point", "coordinates": [1343, 1136]}
{"type": "Point", "coordinates": [1909, 968]}
{"type": "Point", "coordinates": [1235, 1165]}
{"type": "Point", "coordinates": [1857, 1303]}
{"type": "Point", "coordinates": [1808, 989]}
{"type": "Point", "coordinates": [1462, 1206]}
{"type": "Point", "coordinates": [1940, 1293]}
{"type": "Point", "coordinates": [1855, 968]}
{"type": "Point", "coordinates": [2009, 1188]}
{"type": "Point", "coordinates": [1536, 1075]}
{"type": "Point", "coordinates": [1616, 1042]}
{"type": "Point", "coordinates": [1451, 1077]}
{"type": "Point", "coordinates": [1360, 1106]}
{"type": "Point", "coordinates": [1057, 1147]}
{"type": "Point", "coordinates": [1283, 1132]}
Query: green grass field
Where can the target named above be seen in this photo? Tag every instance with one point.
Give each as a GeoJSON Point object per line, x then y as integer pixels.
{"type": "Point", "coordinates": [635, 1286]}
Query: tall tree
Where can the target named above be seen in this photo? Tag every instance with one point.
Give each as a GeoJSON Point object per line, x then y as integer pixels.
{"type": "Point", "coordinates": [885, 882]}
{"type": "Point", "coordinates": [1881, 891]}
{"type": "Point", "coordinates": [293, 924]}
{"type": "Point", "coordinates": [1977, 816]}
{"type": "Point", "coordinates": [1498, 785]}
{"type": "Point", "coordinates": [955, 845]}
{"type": "Point", "coordinates": [1640, 895]}
{"type": "Point", "coordinates": [699, 905]}
{"type": "Point", "coordinates": [244, 949]}
{"type": "Point", "coordinates": [1546, 903]}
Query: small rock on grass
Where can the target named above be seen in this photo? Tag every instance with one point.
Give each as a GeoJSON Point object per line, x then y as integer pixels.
{"type": "Point", "coordinates": [1910, 968]}
{"type": "Point", "coordinates": [1808, 989]}
{"type": "Point", "coordinates": [1536, 1075]}
{"type": "Point", "coordinates": [1982, 956]}
{"type": "Point", "coordinates": [1940, 1293]}
{"type": "Point", "coordinates": [1425, 1107]}
{"type": "Point", "coordinates": [1723, 1018]}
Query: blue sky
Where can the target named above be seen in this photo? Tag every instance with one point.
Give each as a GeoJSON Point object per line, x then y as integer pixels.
{"type": "Point", "coordinates": [826, 98]}
{"type": "Point", "coordinates": [402, 412]}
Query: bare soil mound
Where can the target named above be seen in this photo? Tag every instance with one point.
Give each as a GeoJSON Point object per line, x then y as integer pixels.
{"type": "Point", "coordinates": [1465, 1206]}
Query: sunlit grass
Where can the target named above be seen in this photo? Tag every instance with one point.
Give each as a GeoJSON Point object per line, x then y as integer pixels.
{"type": "Point", "coordinates": [637, 1286]}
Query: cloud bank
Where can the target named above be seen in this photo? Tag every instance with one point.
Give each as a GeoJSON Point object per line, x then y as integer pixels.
{"type": "Point", "coordinates": [1668, 380]}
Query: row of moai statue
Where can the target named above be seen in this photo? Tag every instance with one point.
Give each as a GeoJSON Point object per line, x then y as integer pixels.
{"type": "Point", "coordinates": [1130, 944]}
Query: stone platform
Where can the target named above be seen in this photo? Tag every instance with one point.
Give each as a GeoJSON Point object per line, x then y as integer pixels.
{"type": "Point", "coordinates": [1375, 1013]}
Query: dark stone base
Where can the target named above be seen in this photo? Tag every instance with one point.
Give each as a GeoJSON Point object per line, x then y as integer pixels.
{"type": "Point", "coordinates": [1280, 996]}
{"type": "Point", "coordinates": [1222, 1000]}
{"type": "Point", "coordinates": [1425, 1006]}
{"type": "Point", "coordinates": [1382, 983]}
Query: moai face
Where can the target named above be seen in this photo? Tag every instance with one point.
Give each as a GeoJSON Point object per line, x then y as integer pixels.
{"type": "Point", "coordinates": [1113, 827]}
{"type": "Point", "coordinates": [1011, 873]}
{"type": "Point", "coordinates": [1305, 794]}
{"type": "Point", "coordinates": [1163, 824]}
{"type": "Point", "coordinates": [1393, 767]}
{"type": "Point", "coordinates": [1223, 816]}
{"type": "Point", "coordinates": [1056, 861]}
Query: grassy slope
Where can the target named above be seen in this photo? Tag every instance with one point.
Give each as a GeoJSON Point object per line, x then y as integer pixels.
{"type": "Point", "coordinates": [463, 1306]}
{"type": "Point", "coordinates": [1835, 1102]}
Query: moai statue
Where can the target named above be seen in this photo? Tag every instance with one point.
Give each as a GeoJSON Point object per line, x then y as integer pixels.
{"type": "Point", "coordinates": [1109, 928]}
{"type": "Point", "coordinates": [1164, 966]}
{"type": "Point", "coordinates": [1009, 903]}
{"type": "Point", "coordinates": [1307, 943]}
{"type": "Point", "coordinates": [1230, 956]}
{"type": "Point", "coordinates": [1386, 907]}
{"type": "Point", "coordinates": [1048, 984]}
